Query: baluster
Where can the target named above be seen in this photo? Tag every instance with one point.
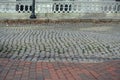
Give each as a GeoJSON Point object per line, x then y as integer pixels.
{"type": "Point", "coordinates": [59, 8]}
{"type": "Point", "coordinates": [112, 8]}
{"type": "Point", "coordinates": [115, 8]}
{"type": "Point", "coordinates": [77, 8]}
{"type": "Point", "coordinates": [50, 8]}
{"type": "Point", "coordinates": [68, 8]}
{"type": "Point", "coordinates": [19, 8]}
{"type": "Point", "coordinates": [63, 7]}
{"type": "Point", "coordinates": [53, 8]}
{"type": "Point", "coordinates": [24, 8]}
{"type": "Point", "coordinates": [118, 8]}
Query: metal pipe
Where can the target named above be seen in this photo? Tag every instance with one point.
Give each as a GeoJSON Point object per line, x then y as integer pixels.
{"type": "Point", "coordinates": [33, 16]}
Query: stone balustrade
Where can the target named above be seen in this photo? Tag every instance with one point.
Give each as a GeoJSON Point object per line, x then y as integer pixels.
{"type": "Point", "coordinates": [61, 7]}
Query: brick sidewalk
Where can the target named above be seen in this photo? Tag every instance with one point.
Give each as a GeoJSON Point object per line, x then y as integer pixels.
{"type": "Point", "coordinates": [23, 70]}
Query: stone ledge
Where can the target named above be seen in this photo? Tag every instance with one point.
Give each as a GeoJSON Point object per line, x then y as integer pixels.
{"type": "Point", "coordinates": [39, 21]}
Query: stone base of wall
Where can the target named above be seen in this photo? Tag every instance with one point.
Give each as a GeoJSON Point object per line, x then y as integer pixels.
{"type": "Point", "coordinates": [58, 17]}
{"type": "Point", "coordinates": [6, 16]}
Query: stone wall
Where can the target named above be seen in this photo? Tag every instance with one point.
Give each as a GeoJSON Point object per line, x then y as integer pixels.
{"type": "Point", "coordinates": [44, 10]}
{"type": "Point", "coordinates": [59, 16]}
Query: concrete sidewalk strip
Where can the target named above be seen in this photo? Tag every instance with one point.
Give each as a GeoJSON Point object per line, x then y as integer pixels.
{"type": "Point", "coordinates": [24, 70]}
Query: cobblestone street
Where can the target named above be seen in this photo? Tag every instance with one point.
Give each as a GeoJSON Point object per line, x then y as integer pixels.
{"type": "Point", "coordinates": [62, 42]}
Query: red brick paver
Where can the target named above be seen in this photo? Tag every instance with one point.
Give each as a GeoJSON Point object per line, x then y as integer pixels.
{"type": "Point", "coordinates": [23, 70]}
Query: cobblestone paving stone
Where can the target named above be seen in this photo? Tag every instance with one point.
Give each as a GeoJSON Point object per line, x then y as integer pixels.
{"type": "Point", "coordinates": [60, 42]}
{"type": "Point", "coordinates": [25, 70]}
